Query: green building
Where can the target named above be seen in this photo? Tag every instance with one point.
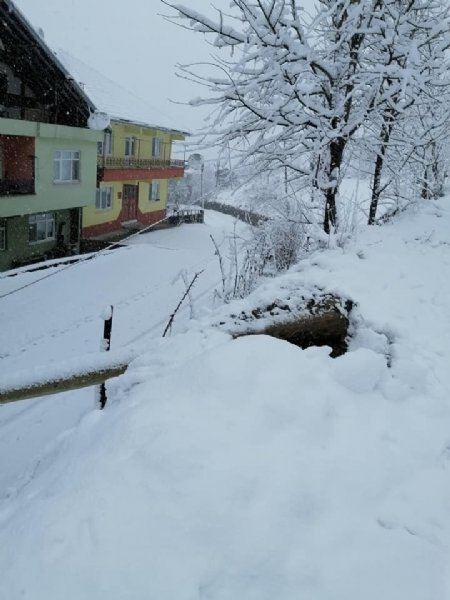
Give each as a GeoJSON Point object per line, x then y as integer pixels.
{"type": "Point", "coordinates": [48, 153]}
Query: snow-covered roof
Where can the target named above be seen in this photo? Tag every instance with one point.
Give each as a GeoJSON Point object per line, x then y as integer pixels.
{"type": "Point", "coordinates": [111, 98]}
{"type": "Point", "coordinates": [40, 58]}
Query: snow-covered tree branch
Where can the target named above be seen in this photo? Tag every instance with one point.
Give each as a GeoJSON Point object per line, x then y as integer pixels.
{"type": "Point", "coordinates": [294, 90]}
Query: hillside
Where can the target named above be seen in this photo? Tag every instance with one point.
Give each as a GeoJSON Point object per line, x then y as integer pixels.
{"type": "Point", "coordinates": [252, 469]}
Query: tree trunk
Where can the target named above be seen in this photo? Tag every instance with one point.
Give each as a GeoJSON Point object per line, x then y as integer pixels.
{"type": "Point", "coordinates": [330, 217]}
{"type": "Point", "coordinates": [426, 192]}
{"type": "Point", "coordinates": [386, 131]}
{"type": "Point", "coordinates": [436, 170]}
{"type": "Point", "coordinates": [376, 188]}
{"type": "Point", "coordinates": [336, 157]}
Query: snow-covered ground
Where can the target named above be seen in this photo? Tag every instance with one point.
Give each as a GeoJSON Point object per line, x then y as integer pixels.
{"type": "Point", "coordinates": [58, 321]}
{"type": "Point", "coordinates": [248, 468]}
{"type": "Point", "coordinates": [60, 317]}
{"type": "Point", "coordinates": [265, 196]}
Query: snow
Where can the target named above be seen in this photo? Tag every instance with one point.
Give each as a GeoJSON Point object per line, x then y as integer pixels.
{"type": "Point", "coordinates": [135, 61]}
{"type": "Point", "coordinates": [66, 369]}
{"type": "Point", "coordinates": [245, 468]}
{"type": "Point", "coordinates": [107, 312]}
{"type": "Point", "coordinates": [60, 316]}
{"type": "Point", "coordinates": [113, 101]}
{"type": "Point", "coordinates": [99, 121]}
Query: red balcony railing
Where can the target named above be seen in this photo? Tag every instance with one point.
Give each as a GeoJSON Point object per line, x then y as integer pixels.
{"type": "Point", "coordinates": [112, 162]}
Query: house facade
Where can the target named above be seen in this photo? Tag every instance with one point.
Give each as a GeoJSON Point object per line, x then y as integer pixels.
{"type": "Point", "coordinates": [134, 168]}
{"type": "Point", "coordinates": [47, 152]}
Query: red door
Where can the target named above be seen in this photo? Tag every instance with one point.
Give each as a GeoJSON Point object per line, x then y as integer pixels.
{"type": "Point", "coordinates": [129, 202]}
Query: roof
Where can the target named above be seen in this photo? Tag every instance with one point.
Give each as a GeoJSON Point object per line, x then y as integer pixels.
{"type": "Point", "coordinates": [109, 97]}
{"type": "Point", "coordinates": [35, 61]}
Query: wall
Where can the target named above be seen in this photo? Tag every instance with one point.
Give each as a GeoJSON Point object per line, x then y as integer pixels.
{"type": "Point", "coordinates": [146, 205]}
{"type": "Point", "coordinates": [92, 216]}
{"type": "Point", "coordinates": [144, 136]}
{"type": "Point", "coordinates": [18, 247]}
{"type": "Point", "coordinates": [48, 195]}
{"type": "Point", "coordinates": [101, 222]}
{"type": "Point", "coordinates": [18, 157]}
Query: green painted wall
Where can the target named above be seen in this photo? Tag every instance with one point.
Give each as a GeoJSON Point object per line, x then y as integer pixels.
{"type": "Point", "coordinates": [50, 195]}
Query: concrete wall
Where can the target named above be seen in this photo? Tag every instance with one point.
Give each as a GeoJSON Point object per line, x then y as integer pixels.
{"type": "Point", "coordinates": [18, 248]}
{"type": "Point", "coordinates": [50, 195]}
{"type": "Point", "coordinates": [144, 137]}
{"type": "Point", "coordinates": [18, 157]}
{"type": "Point", "coordinates": [100, 222]}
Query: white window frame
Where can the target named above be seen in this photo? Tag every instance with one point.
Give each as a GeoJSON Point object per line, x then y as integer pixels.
{"type": "Point", "coordinates": [154, 191]}
{"type": "Point", "coordinates": [104, 198]}
{"type": "Point", "coordinates": [66, 166]}
{"type": "Point", "coordinates": [130, 146]}
{"type": "Point", "coordinates": [2, 235]}
{"type": "Point", "coordinates": [44, 222]}
{"type": "Point", "coordinates": [156, 147]}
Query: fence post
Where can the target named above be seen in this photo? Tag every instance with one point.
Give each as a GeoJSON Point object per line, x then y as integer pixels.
{"type": "Point", "coordinates": [105, 347]}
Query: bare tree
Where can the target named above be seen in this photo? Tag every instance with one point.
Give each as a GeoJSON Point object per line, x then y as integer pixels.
{"type": "Point", "coordinates": [294, 89]}
{"type": "Point", "coordinates": [289, 88]}
{"type": "Point", "coordinates": [412, 45]}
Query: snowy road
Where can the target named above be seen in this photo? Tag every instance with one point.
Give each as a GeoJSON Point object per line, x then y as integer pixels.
{"type": "Point", "coordinates": [60, 318]}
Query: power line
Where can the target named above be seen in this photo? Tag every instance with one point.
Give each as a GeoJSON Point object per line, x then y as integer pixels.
{"type": "Point", "coordinates": [82, 260]}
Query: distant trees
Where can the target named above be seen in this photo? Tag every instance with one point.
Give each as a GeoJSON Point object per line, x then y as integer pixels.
{"type": "Point", "coordinates": [412, 39]}
{"type": "Point", "coordinates": [295, 90]}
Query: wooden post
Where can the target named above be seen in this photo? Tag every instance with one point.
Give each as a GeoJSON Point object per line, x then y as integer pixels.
{"type": "Point", "coordinates": [63, 383]}
{"type": "Point", "coordinates": [106, 345]}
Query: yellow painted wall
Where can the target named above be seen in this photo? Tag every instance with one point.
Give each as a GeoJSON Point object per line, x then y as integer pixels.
{"type": "Point", "coordinates": [143, 149]}
{"type": "Point", "coordinates": [146, 205]}
{"type": "Point", "coordinates": [144, 136]}
{"type": "Point", "coordinates": [92, 216]}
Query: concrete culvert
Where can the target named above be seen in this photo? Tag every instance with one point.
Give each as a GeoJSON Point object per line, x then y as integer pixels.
{"type": "Point", "coordinates": [318, 321]}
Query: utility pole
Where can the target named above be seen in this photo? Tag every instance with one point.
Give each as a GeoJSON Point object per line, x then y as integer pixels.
{"type": "Point", "coordinates": [202, 199]}
{"type": "Point", "coordinates": [105, 347]}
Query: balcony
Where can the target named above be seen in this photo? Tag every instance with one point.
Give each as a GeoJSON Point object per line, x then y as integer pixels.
{"type": "Point", "coordinates": [111, 162]}
{"type": "Point", "coordinates": [16, 187]}
{"type": "Point", "coordinates": [111, 168]}
{"type": "Point", "coordinates": [17, 169]}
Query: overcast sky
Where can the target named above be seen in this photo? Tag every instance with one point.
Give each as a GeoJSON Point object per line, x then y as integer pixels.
{"type": "Point", "coordinates": [129, 42]}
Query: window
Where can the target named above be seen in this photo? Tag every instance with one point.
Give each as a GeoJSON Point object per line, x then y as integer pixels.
{"type": "Point", "coordinates": [66, 165]}
{"type": "Point", "coordinates": [105, 148]}
{"type": "Point", "coordinates": [103, 200]}
{"type": "Point", "coordinates": [2, 235]}
{"type": "Point", "coordinates": [156, 147]}
{"type": "Point", "coordinates": [3, 87]}
{"type": "Point", "coordinates": [41, 227]}
{"type": "Point", "coordinates": [130, 145]}
{"type": "Point", "coordinates": [153, 193]}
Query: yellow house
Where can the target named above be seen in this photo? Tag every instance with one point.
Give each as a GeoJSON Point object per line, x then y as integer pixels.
{"type": "Point", "coordinates": [134, 162]}
{"type": "Point", "coordinates": [134, 166]}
